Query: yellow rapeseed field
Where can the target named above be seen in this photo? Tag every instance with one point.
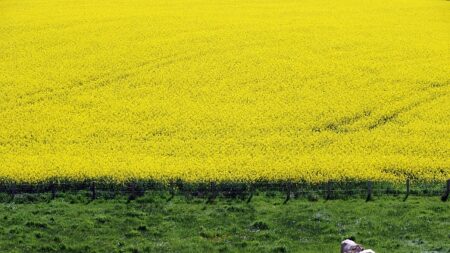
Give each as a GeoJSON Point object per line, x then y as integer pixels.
{"type": "Point", "coordinates": [237, 90]}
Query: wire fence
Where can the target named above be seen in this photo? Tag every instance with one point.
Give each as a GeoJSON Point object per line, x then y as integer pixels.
{"type": "Point", "coordinates": [241, 190]}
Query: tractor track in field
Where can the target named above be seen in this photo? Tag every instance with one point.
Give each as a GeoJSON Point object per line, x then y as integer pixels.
{"type": "Point", "coordinates": [96, 82]}
{"type": "Point", "coordinates": [342, 125]}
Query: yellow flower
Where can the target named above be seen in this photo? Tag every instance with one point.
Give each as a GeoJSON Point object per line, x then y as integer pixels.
{"type": "Point", "coordinates": [202, 90]}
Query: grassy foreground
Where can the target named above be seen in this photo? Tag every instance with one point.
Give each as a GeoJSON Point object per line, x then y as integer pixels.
{"type": "Point", "coordinates": [71, 223]}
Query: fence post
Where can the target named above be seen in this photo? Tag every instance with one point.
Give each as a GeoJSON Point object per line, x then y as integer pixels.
{"type": "Point", "coordinates": [171, 190]}
{"type": "Point", "coordinates": [53, 189]}
{"type": "Point", "coordinates": [13, 191]}
{"type": "Point", "coordinates": [250, 189]}
{"type": "Point", "coordinates": [132, 189]}
{"type": "Point", "coordinates": [329, 189]}
{"type": "Point", "coordinates": [213, 193]}
{"type": "Point", "coordinates": [447, 192]}
{"type": "Point", "coordinates": [369, 191]}
{"type": "Point", "coordinates": [407, 189]}
{"type": "Point", "coordinates": [288, 192]}
{"type": "Point", "coordinates": [93, 191]}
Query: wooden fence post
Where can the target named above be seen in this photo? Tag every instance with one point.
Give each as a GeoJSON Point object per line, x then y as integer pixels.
{"type": "Point", "coordinates": [93, 191]}
{"type": "Point", "coordinates": [288, 192]}
{"type": "Point", "coordinates": [250, 189]}
{"type": "Point", "coordinates": [369, 191]}
{"type": "Point", "coordinates": [329, 190]}
{"type": "Point", "coordinates": [171, 190]}
{"type": "Point", "coordinates": [213, 193]}
{"type": "Point", "coordinates": [407, 189]}
{"type": "Point", "coordinates": [447, 192]}
{"type": "Point", "coordinates": [12, 191]}
{"type": "Point", "coordinates": [132, 189]}
{"type": "Point", "coordinates": [53, 189]}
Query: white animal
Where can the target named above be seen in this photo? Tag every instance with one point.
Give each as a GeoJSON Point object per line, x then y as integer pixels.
{"type": "Point", "coordinates": [349, 246]}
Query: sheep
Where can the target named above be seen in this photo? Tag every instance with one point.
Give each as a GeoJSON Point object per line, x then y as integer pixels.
{"type": "Point", "coordinates": [349, 246]}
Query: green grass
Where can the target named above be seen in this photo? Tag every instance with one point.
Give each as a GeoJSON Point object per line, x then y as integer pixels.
{"type": "Point", "coordinates": [71, 223]}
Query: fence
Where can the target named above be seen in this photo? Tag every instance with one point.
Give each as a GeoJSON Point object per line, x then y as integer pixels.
{"type": "Point", "coordinates": [242, 190]}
